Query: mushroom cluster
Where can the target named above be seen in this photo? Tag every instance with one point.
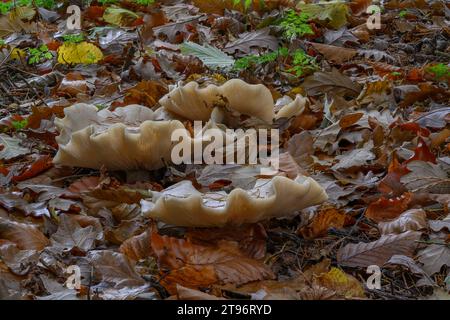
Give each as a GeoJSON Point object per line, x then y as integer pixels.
{"type": "Point", "coordinates": [136, 137]}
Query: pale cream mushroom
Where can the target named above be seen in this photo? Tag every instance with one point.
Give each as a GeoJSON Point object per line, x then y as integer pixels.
{"type": "Point", "coordinates": [193, 102]}
{"type": "Point", "coordinates": [183, 205]}
{"type": "Point", "coordinates": [127, 138]}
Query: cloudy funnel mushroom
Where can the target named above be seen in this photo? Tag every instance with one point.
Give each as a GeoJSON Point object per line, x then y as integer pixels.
{"type": "Point", "coordinates": [183, 205]}
{"type": "Point", "coordinates": [193, 102]}
{"type": "Point", "coordinates": [125, 139]}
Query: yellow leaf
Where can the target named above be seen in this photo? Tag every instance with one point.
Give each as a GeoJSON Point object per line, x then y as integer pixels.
{"type": "Point", "coordinates": [17, 54]}
{"type": "Point", "coordinates": [22, 13]}
{"type": "Point", "coordinates": [341, 282]}
{"type": "Point", "coordinates": [83, 52]}
{"type": "Point", "coordinates": [119, 17]}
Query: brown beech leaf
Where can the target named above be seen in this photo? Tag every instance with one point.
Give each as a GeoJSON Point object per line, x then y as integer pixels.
{"type": "Point", "coordinates": [427, 91]}
{"type": "Point", "coordinates": [194, 266]}
{"type": "Point", "coordinates": [25, 236]}
{"type": "Point", "coordinates": [434, 257]}
{"type": "Point", "coordinates": [40, 113]}
{"type": "Point", "coordinates": [359, 7]}
{"type": "Point", "coordinates": [73, 84]}
{"type": "Point", "coordinates": [380, 251]}
{"type": "Point", "coordinates": [251, 239]}
{"type": "Point", "coordinates": [247, 40]}
{"type": "Point", "coordinates": [413, 219]}
{"type": "Point", "coordinates": [184, 293]}
{"type": "Point", "coordinates": [146, 93]}
{"type": "Point", "coordinates": [84, 184]}
{"type": "Point", "coordinates": [387, 209]}
{"type": "Point", "coordinates": [324, 220]}
{"type": "Point", "coordinates": [334, 81]}
{"type": "Point", "coordinates": [333, 53]}
{"type": "Point", "coordinates": [350, 119]}
{"type": "Point", "coordinates": [137, 247]}
{"type": "Point", "coordinates": [115, 268]}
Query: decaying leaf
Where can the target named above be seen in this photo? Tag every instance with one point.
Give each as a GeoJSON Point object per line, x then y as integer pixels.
{"type": "Point", "coordinates": [433, 257]}
{"type": "Point", "coordinates": [194, 266]}
{"type": "Point", "coordinates": [380, 251]}
{"type": "Point", "coordinates": [25, 236]}
{"type": "Point", "coordinates": [414, 219]}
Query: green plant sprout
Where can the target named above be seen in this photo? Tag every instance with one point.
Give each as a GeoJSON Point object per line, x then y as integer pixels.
{"type": "Point", "coordinates": [439, 71]}
{"type": "Point", "coordinates": [73, 38]}
{"type": "Point", "coordinates": [5, 7]}
{"type": "Point", "coordinates": [40, 54]}
{"type": "Point", "coordinates": [301, 62]}
{"type": "Point", "coordinates": [144, 2]}
{"type": "Point", "coordinates": [19, 124]}
{"type": "Point", "coordinates": [295, 25]}
{"type": "Point", "coordinates": [402, 14]}
{"type": "Point", "coordinates": [248, 61]}
{"type": "Point", "coordinates": [246, 3]}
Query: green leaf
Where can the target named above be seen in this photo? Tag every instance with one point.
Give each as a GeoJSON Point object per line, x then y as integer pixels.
{"type": "Point", "coordinates": [210, 56]}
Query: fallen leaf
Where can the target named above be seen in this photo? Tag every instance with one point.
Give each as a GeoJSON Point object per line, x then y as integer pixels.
{"type": "Point", "coordinates": [11, 147]}
{"type": "Point", "coordinates": [25, 236]}
{"type": "Point", "coordinates": [434, 257]}
{"type": "Point", "coordinates": [342, 283]}
{"type": "Point", "coordinates": [387, 209]}
{"type": "Point", "coordinates": [247, 40]}
{"type": "Point", "coordinates": [380, 251]}
{"type": "Point", "coordinates": [195, 266]}
{"type": "Point", "coordinates": [79, 53]}
{"type": "Point", "coordinates": [70, 235]}
{"type": "Point", "coordinates": [333, 53]}
{"type": "Point", "coordinates": [413, 219]}
{"type": "Point", "coordinates": [324, 220]}
{"type": "Point", "coordinates": [334, 81]}
{"type": "Point", "coordinates": [115, 268]}
{"type": "Point", "coordinates": [426, 177]}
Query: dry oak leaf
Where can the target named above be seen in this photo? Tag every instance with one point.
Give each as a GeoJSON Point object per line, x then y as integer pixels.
{"type": "Point", "coordinates": [413, 219]}
{"type": "Point", "coordinates": [322, 222]}
{"type": "Point", "coordinates": [25, 236]}
{"type": "Point", "coordinates": [380, 251]}
{"type": "Point", "coordinates": [387, 209]}
{"type": "Point", "coordinates": [194, 265]}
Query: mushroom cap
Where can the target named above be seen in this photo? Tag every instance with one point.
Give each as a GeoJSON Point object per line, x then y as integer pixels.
{"type": "Point", "coordinates": [127, 138]}
{"type": "Point", "coordinates": [183, 205]}
{"type": "Point", "coordinates": [195, 103]}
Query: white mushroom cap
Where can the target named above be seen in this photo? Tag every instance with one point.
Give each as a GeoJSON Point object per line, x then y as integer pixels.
{"type": "Point", "coordinates": [195, 103]}
{"type": "Point", "coordinates": [183, 205]}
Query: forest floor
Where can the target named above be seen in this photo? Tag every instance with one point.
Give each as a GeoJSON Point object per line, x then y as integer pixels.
{"type": "Point", "coordinates": [374, 133]}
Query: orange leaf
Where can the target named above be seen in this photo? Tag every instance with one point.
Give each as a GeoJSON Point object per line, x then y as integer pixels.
{"type": "Point", "coordinates": [40, 165]}
{"type": "Point", "coordinates": [322, 222]}
{"type": "Point", "coordinates": [350, 119]}
{"type": "Point", "coordinates": [387, 209]}
{"type": "Point", "coordinates": [194, 266]}
{"type": "Point", "coordinates": [145, 93]}
{"type": "Point", "coordinates": [422, 153]}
